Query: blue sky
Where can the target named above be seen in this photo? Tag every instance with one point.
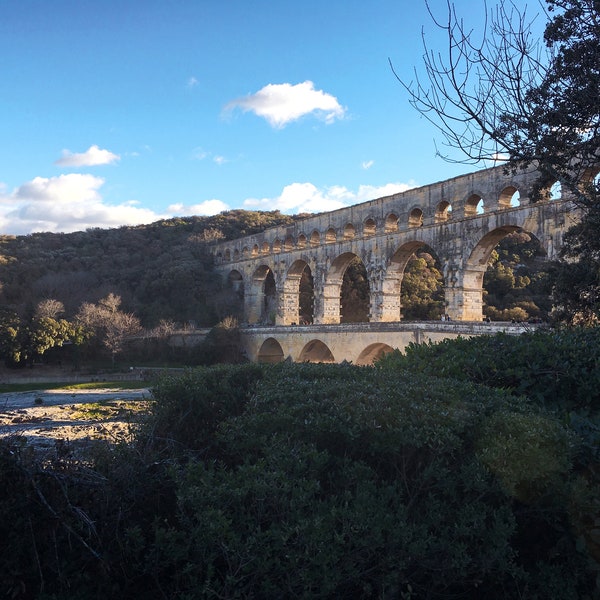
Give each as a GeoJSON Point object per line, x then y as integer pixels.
{"type": "Point", "coordinates": [121, 112]}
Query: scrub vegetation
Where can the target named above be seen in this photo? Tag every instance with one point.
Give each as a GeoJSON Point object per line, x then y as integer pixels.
{"type": "Point", "coordinates": [401, 480]}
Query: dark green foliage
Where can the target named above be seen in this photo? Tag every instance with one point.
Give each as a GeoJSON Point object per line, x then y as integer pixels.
{"type": "Point", "coordinates": [558, 369]}
{"type": "Point", "coordinates": [422, 288]}
{"type": "Point", "coordinates": [516, 284]}
{"type": "Point", "coordinates": [328, 481]}
{"type": "Point", "coordinates": [161, 270]}
{"type": "Point", "coordinates": [354, 295]}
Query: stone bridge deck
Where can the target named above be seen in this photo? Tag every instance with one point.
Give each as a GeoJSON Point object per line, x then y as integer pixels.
{"type": "Point", "coordinates": [359, 343]}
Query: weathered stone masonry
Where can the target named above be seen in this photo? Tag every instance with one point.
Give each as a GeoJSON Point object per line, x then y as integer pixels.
{"type": "Point", "coordinates": [461, 219]}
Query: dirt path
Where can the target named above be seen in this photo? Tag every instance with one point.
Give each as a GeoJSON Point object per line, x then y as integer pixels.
{"type": "Point", "coordinates": [44, 417]}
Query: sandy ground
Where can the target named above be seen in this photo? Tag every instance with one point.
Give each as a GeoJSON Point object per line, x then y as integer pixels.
{"type": "Point", "coordinates": [47, 417]}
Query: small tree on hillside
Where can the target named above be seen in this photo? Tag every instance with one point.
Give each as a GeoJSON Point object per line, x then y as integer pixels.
{"type": "Point", "coordinates": [111, 325]}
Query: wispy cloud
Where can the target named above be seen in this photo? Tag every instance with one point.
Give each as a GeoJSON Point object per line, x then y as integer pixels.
{"type": "Point", "coordinates": [283, 103]}
{"type": "Point", "coordinates": [367, 164]}
{"type": "Point", "coordinates": [192, 82]}
{"type": "Point", "coordinates": [66, 203]}
{"type": "Point", "coordinates": [306, 197]}
{"type": "Point", "coordinates": [92, 157]}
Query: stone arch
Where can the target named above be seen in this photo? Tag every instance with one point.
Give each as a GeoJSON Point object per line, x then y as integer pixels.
{"type": "Point", "coordinates": [332, 288]}
{"type": "Point", "coordinates": [270, 352]}
{"type": "Point", "coordinates": [302, 241]}
{"type": "Point", "coordinates": [372, 353]}
{"type": "Point", "coordinates": [236, 280]}
{"type": "Point", "coordinates": [298, 300]}
{"type": "Point", "coordinates": [315, 239]}
{"type": "Point", "coordinates": [391, 223]}
{"type": "Point", "coordinates": [288, 244]}
{"type": "Point", "coordinates": [228, 255]}
{"type": "Point", "coordinates": [415, 218]}
{"type": "Point", "coordinates": [443, 212]}
{"type": "Point", "coordinates": [265, 248]}
{"type": "Point", "coordinates": [255, 250]}
{"type": "Point", "coordinates": [317, 352]}
{"type": "Point", "coordinates": [245, 252]}
{"type": "Point", "coordinates": [330, 236]}
{"type": "Point", "coordinates": [277, 245]}
{"type": "Point", "coordinates": [261, 304]}
{"type": "Point", "coordinates": [236, 255]}
{"type": "Point", "coordinates": [219, 257]}
{"type": "Point", "coordinates": [509, 197]}
{"type": "Point", "coordinates": [391, 290]}
{"type": "Point", "coordinates": [466, 302]}
{"type": "Point", "coordinates": [369, 226]}
{"type": "Point", "coordinates": [349, 231]}
{"type": "Point", "coordinates": [474, 205]}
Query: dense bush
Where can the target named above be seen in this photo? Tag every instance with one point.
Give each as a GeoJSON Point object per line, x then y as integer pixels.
{"type": "Point", "coordinates": [309, 481]}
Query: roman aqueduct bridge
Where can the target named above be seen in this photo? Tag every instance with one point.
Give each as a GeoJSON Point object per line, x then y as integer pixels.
{"type": "Point", "coordinates": [460, 219]}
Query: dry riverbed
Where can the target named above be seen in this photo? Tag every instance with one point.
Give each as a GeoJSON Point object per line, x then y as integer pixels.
{"type": "Point", "coordinates": [76, 418]}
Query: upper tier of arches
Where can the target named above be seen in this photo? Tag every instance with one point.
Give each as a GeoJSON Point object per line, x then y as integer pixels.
{"type": "Point", "coordinates": [461, 198]}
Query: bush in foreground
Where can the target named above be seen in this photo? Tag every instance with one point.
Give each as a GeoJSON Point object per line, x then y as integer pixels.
{"type": "Point", "coordinates": [316, 481]}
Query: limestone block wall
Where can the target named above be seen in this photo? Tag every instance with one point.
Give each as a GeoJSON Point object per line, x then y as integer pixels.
{"type": "Point", "coordinates": [461, 220]}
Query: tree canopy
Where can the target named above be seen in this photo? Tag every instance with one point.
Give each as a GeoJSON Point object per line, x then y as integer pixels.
{"type": "Point", "coordinates": [507, 96]}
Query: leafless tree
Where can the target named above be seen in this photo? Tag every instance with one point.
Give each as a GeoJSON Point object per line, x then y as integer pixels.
{"type": "Point", "coordinates": [506, 96]}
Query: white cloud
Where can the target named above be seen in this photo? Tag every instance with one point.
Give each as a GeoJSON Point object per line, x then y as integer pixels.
{"type": "Point", "coordinates": [192, 82]}
{"type": "Point", "coordinates": [220, 160]}
{"type": "Point", "coordinates": [306, 197]}
{"type": "Point", "coordinates": [206, 208]}
{"type": "Point", "coordinates": [66, 203]}
{"type": "Point", "coordinates": [283, 103]}
{"type": "Point", "coordinates": [92, 157]}
{"type": "Point", "coordinates": [367, 164]}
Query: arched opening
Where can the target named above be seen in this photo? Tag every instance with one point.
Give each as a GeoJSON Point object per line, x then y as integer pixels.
{"type": "Point", "coordinates": [245, 252]}
{"type": "Point", "coordinates": [263, 301]}
{"type": "Point", "coordinates": [316, 352]}
{"type": "Point", "coordinates": [330, 236]}
{"type": "Point", "coordinates": [350, 304]}
{"type": "Point", "coordinates": [269, 300]}
{"type": "Point", "coordinates": [349, 231]}
{"type": "Point", "coordinates": [555, 191]}
{"type": "Point", "coordinates": [422, 292]}
{"type": "Point", "coordinates": [509, 197]}
{"type": "Point", "coordinates": [443, 212]}
{"type": "Point", "coordinates": [474, 206]}
{"type": "Point", "coordinates": [277, 245]}
{"type": "Point", "coordinates": [369, 227]}
{"type": "Point", "coordinates": [415, 218]}
{"type": "Point", "coordinates": [227, 255]}
{"type": "Point", "coordinates": [288, 244]}
{"type": "Point", "coordinates": [355, 298]}
{"type": "Point", "coordinates": [255, 250]}
{"type": "Point", "coordinates": [391, 223]}
{"type": "Point", "coordinates": [516, 285]}
{"type": "Point", "coordinates": [301, 241]}
{"type": "Point", "coordinates": [507, 297]}
{"type": "Point", "coordinates": [266, 248]}
{"type": "Point", "coordinates": [299, 296]}
{"type": "Point", "coordinates": [270, 351]}
{"type": "Point", "coordinates": [372, 353]}
{"type": "Point", "coordinates": [315, 239]}
{"type": "Point", "coordinates": [307, 297]}
{"type": "Point", "coordinates": [236, 255]}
